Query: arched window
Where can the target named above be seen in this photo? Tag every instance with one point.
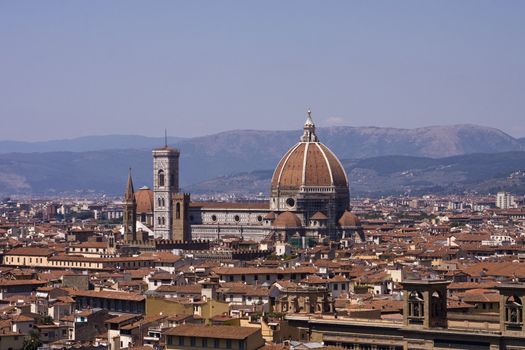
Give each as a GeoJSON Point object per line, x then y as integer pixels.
{"type": "Point", "coordinates": [436, 304]}
{"type": "Point", "coordinates": [163, 202]}
{"type": "Point", "coordinates": [514, 312]}
{"type": "Point", "coordinates": [161, 178]}
{"type": "Point", "coordinates": [159, 221]}
{"type": "Point", "coordinates": [164, 221]}
{"type": "Point", "coordinates": [177, 211]}
{"type": "Point", "coordinates": [415, 306]}
{"type": "Point", "coordinates": [159, 202]}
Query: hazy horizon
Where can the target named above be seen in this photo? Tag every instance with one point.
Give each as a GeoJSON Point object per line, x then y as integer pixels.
{"type": "Point", "coordinates": [197, 68]}
{"type": "Point", "coordinates": [246, 129]}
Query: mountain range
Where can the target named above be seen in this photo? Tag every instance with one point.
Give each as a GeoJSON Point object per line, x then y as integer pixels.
{"type": "Point", "coordinates": [100, 163]}
{"type": "Point", "coordinates": [86, 143]}
{"type": "Point", "coordinates": [345, 141]}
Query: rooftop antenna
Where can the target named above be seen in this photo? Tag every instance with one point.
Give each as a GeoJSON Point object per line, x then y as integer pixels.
{"type": "Point", "coordinates": [166, 138]}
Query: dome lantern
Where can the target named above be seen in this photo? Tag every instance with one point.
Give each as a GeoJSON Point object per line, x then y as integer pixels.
{"type": "Point", "coordinates": [309, 129]}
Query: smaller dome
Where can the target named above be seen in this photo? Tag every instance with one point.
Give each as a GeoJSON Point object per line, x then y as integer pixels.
{"type": "Point", "coordinates": [287, 220]}
{"type": "Point", "coordinates": [349, 219]}
{"type": "Point", "coordinates": [270, 216]}
{"type": "Point", "coordinates": [144, 199]}
{"type": "Point", "coordinates": [319, 216]}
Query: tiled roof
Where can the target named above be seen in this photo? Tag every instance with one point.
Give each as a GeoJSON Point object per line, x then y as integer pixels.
{"type": "Point", "coordinates": [4, 282]}
{"type": "Point", "coordinates": [261, 270]}
{"type": "Point", "coordinates": [219, 332]}
{"type": "Point", "coordinates": [30, 251]}
{"type": "Point", "coordinates": [185, 289]}
{"type": "Point", "coordinates": [109, 295]}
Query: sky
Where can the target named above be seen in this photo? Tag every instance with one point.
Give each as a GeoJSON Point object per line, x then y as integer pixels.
{"type": "Point", "coordinates": [78, 68]}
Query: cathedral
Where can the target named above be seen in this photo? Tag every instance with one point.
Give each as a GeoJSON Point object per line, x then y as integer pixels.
{"type": "Point", "coordinates": [309, 201]}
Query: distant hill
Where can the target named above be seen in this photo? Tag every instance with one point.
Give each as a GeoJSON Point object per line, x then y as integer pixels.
{"type": "Point", "coordinates": [70, 172]}
{"type": "Point", "coordinates": [482, 173]}
{"type": "Point", "coordinates": [345, 141]}
{"type": "Point", "coordinates": [387, 175]}
{"type": "Point", "coordinates": [100, 163]}
{"type": "Point", "coordinates": [87, 143]}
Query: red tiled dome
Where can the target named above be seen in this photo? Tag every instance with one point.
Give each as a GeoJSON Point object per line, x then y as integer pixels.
{"type": "Point", "coordinates": [319, 216]}
{"type": "Point", "coordinates": [309, 164]}
{"type": "Point", "coordinates": [349, 219]}
{"type": "Point", "coordinates": [287, 220]}
{"type": "Point", "coordinates": [270, 216]}
{"type": "Point", "coordinates": [144, 199]}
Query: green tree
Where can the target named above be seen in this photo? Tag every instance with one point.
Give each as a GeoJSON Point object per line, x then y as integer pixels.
{"type": "Point", "coordinates": [46, 320]}
{"type": "Point", "coordinates": [32, 342]}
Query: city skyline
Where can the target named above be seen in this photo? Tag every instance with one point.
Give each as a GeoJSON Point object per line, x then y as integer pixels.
{"type": "Point", "coordinates": [262, 175]}
{"type": "Point", "coordinates": [200, 68]}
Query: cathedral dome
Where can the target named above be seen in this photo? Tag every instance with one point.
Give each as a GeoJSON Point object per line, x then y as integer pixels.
{"type": "Point", "coordinates": [309, 164]}
{"type": "Point", "coordinates": [144, 199]}
{"type": "Point", "coordinates": [309, 179]}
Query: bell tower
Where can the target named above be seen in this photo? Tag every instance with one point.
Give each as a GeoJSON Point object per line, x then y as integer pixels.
{"type": "Point", "coordinates": [165, 184]}
{"type": "Point", "coordinates": [425, 303]}
{"type": "Point", "coordinates": [512, 296]}
{"type": "Point", "coordinates": [129, 220]}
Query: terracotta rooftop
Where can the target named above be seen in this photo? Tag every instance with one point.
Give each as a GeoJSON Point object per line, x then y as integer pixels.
{"type": "Point", "coordinates": [185, 289]}
{"type": "Point", "coordinates": [261, 270]}
{"type": "Point", "coordinates": [109, 295]}
{"type": "Point", "coordinates": [30, 251]}
{"type": "Point", "coordinates": [219, 332]}
{"type": "Point", "coordinates": [122, 319]}
{"type": "Point", "coordinates": [4, 282]}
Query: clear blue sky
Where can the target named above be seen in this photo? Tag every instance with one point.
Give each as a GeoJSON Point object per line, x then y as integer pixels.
{"type": "Point", "coordinates": [75, 68]}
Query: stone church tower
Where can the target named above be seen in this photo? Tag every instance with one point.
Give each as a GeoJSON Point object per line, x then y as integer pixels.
{"type": "Point", "coordinates": [165, 185]}
{"type": "Point", "coordinates": [130, 212]}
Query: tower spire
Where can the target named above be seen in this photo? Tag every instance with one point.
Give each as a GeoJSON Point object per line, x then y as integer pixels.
{"type": "Point", "coordinates": [309, 129]}
{"type": "Point", "coordinates": [166, 137]}
{"type": "Point", "coordinates": [129, 196]}
{"type": "Point", "coordinates": [129, 216]}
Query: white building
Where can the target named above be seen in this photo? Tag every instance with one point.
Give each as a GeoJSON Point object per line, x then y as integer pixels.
{"type": "Point", "coordinates": [505, 200]}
